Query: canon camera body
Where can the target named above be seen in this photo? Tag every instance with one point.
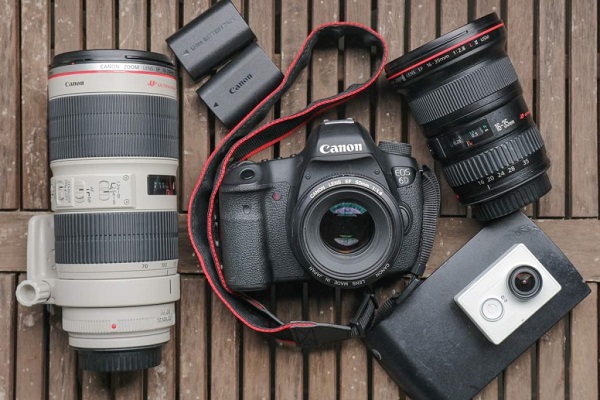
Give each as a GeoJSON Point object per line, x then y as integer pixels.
{"type": "Point", "coordinates": [343, 211]}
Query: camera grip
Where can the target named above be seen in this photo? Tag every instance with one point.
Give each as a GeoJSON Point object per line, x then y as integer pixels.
{"type": "Point", "coordinates": [243, 238]}
{"type": "Point", "coordinates": [411, 197]}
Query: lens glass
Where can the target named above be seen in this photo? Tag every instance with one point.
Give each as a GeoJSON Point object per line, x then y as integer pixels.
{"type": "Point", "coordinates": [347, 227]}
{"type": "Point", "coordinates": [464, 92]}
{"type": "Point", "coordinates": [525, 282]}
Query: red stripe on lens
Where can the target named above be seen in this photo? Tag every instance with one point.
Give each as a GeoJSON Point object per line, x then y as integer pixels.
{"type": "Point", "coordinates": [111, 72]}
{"type": "Point", "coordinates": [444, 51]}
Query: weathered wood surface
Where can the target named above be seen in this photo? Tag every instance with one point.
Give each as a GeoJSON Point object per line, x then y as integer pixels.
{"type": "Point", "coordinates": [553, 46]}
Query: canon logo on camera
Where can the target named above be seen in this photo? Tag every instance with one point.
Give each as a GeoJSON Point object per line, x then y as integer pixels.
{"type": "Point", "coordinates": [340, 148]}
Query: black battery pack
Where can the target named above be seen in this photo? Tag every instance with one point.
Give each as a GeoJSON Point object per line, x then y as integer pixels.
{"type": "Point", "coordinates": [240, 85]}
{"type": "Point", "coordinates": [433, 350]}
{"type": "Point", "coordinates": [210, 39]}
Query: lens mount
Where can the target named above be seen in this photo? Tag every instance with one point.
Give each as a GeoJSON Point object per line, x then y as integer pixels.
{"type": "Point", "coordinates": [353, 253]}
{"type": "Point", "coordinates": [525, 282]}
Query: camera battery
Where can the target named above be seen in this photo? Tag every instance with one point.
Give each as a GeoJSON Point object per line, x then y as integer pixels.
{"type": "Point", "coordinates": [210, 39]}
{"type": "Point", "coordinates": [240, 85]}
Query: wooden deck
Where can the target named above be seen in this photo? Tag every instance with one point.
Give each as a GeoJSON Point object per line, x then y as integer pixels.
{"type": "Point", "coordinates": [554, 47]}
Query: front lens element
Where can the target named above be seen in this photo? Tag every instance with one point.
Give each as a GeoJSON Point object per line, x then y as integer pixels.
{"type": "Point", "coordinates": [347, 227]}
{"type": "Point", "coordinates": [525, 282]}
{"type": "Point", "coordinates": [464, 92]}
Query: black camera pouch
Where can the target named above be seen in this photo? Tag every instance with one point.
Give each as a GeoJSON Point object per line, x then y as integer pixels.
{"type": "Point", "coordinates": [242, 142]}
{"type": "Point", "coordinates": [433, 350]}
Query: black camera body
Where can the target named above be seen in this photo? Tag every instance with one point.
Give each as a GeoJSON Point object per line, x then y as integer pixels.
{"type": "Point", "coordinates": [343, 211]}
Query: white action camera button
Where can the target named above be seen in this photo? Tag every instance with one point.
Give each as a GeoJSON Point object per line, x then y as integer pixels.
{"type": "Point", "coordinates": [492, 309]}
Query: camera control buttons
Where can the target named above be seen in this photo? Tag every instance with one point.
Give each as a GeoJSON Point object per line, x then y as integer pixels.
{"type": "Point", "coordinates": [492, 309]}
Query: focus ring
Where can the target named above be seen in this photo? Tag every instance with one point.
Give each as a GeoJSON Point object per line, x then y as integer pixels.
{"type": "Point", "coordinates": [494, 159]}
{"type": "Point", "coordinates": [97, 238]}
{"type": "Point", "coordinates": [112, 125]}
{"type": "Point", "coordinates": [513, 200]}
{"type": "Point", "coordinates": [463, 91]}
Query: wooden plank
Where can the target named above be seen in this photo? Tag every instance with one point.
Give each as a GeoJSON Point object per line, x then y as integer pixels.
{"type": "Point", "coordinates": [128, 385]}
{"type": "Point", "coordinates": [324, 65]}
{"type": "Point", "coordinates": [294, 28]}
{"type": "Point", "coordinates": [261, 19]}
{"type": "Point", "coordinates": [484, 7]}
{"type": "Point", "coordinates": [490, 392]}
{"type": "Point", "coordinates": [517, 378]}
{"type": "Point", "coordinates": [161, 380]}
{"type": "Point", "coordinates": [68, 26]}
{"type": "Point", "coordinates": [193, 367]}
{"type": "Point", "coordinates": [100, 24]}
{"type": "Point", "coordinates": [422, 30]}
{"type": "Point", "coordinates": [163, 23]}
{"type": "Point", "coordinates": [322, 369]}
{"type": "Point", "coordinates": [62, 361]}
{"type": "Point", "coordinates": [388, 112]}
{"type": "Point", "coordinates": [551, 363]}
{"type": "Point", "coordinates": [583, 369]}
{"type": "Point", "coordinates": [9, 105]}
{"type": "Point", "coordinates": [31, 352]}
{"type": "Point", "coordinates": [357, 63]}
{"type": "Point", "coordinates": [257, 366]}
{"type": "Point", "coordinates": [453, 14]}
{"type": "Point", "coordinates": [357, 68]}
{"type": "Point", "coordinates": [289, 373]}
{"type": "Point", "coordinates": [95, 386]}
{"type": "Point", "coordinates": [580, 245]}
{"type": "Point", "coordinates": [224, 352]}
{"type": "Point", "coordinates": [132, 25]}
{"type": "Point", "coordinates": [551, 106]}
{"type": "Point", "coordinates": [34, 73]}
{"type": "Point", "coordinates": [195, 133]}
{"type": "Point", "coordinates": [583, 109]}
{"type": "Point", "coordinates": [353, 354]}
{"type": "Point", "coordinates": [7, 335]}
{"type": "Point", "coordinates": [520, 46]}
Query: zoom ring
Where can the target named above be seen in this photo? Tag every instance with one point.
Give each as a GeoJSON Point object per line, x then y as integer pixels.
{"type": "Point", "coordinates": [464, 91]}
{"type": "Point", "coordinates": [113, 125]}
{"type": "Point", "coordinates": [123, 237]}
{"type": "Point", "coordinates": [494, 159]}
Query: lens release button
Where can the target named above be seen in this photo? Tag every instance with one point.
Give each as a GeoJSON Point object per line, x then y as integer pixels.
{"type": "Point", "coordinates": [492, 309]}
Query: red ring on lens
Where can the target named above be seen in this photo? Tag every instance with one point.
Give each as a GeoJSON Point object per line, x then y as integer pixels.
{"type": "Point", "coordinates": [397, 74]}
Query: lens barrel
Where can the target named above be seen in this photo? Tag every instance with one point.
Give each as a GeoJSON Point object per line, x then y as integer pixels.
{"type": "Point", "coordinates": [114, 148]}
{"type": "Point", "coordinates": [464, 92]}
{"type": "Point", "coordinates": [349, 233]}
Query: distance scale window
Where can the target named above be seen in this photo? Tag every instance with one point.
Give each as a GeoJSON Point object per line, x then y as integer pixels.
{"type": "Point", "coordinates": [161, 185]}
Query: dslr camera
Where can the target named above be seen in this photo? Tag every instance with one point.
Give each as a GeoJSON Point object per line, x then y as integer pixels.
{"type": "Point", "coordinates": [344, 211]}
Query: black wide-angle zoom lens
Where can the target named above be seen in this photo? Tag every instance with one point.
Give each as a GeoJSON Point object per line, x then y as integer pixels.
{"type": "Point", "coordinates": [347, 227]}
{"type": "Point", "coordinates": [525, 282]}
{"type": "Point", "coordinates": [464, 92]}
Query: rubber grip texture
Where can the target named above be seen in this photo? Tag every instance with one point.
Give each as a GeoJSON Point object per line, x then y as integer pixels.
{"type": "Point", "coordinates": [468, 89]}
{"type": "Point", "coordinates": [113, 125]}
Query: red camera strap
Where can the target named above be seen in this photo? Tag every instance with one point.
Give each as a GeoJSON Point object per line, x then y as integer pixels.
{"type": "Point", "coordinates": [241, 143]}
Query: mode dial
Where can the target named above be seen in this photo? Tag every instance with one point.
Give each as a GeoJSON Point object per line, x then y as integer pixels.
{"type": "Point", "coordinates": [401, 149]}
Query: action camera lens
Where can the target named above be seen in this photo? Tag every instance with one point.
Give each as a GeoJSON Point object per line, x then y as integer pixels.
{"type": "Point", "coordinates": [347, 227]}
{"type": "Point", "coordinates": [525, 282]}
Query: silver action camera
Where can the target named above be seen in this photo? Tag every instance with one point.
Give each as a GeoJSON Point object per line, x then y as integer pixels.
{"type": "Point", "coordinates": [507, 293]}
